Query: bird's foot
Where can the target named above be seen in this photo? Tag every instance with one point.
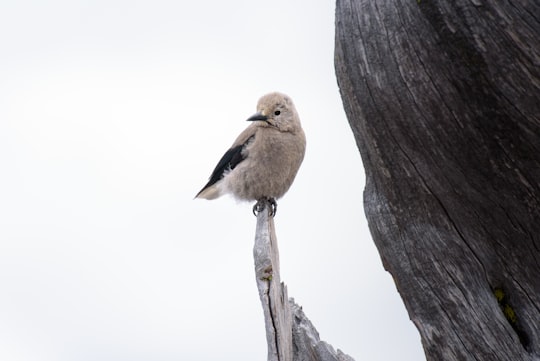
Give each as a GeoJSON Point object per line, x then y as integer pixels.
{"type": "Point", "coordinates": [261, 205]}
{"type": "Point", "coordinates": [273, 206]}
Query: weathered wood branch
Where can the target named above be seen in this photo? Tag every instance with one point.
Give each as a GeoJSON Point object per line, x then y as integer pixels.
{"type": "Point", "coordinates": [273, 293]}
{"type": "Point", "coordinates": [289, 333]}
{"type": "Point", "coordinates": [443, 98]}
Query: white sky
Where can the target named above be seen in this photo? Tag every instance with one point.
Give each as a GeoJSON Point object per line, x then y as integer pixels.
{"type": "Point", "coordinates": [112, 116]}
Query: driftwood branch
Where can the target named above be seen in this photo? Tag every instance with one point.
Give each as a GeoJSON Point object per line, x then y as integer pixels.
{"type": "Point", "coordinates": [289, 333]}
{"type": "Point", "coordinates": [273, 293]}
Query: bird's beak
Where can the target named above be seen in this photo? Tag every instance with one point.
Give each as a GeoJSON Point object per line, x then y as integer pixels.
{"type": "Point", "coordinates": [257, 116]}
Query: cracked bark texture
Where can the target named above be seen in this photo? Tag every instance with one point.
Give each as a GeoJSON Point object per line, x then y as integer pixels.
{"type": "Point", "coordinates": [289, 333]}
{"type": "Point", "coordinates": [443, 98]}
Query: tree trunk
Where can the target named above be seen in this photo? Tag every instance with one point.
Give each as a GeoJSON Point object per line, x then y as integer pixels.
{"type": "Point", "coordinates": [443, 98]}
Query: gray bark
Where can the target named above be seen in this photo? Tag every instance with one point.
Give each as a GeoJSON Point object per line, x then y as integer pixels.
{"type": "Point", "coordinates": [443, 98]}
{"type": "Point", "coordinates": [289, 333]}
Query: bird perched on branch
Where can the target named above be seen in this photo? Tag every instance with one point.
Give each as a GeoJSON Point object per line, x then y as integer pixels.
{"type": "Point", "coordinates": [263, 161]}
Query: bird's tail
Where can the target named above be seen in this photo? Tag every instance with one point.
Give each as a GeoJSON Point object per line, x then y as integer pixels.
{"type": "Point", "coordinates": [210, 192]}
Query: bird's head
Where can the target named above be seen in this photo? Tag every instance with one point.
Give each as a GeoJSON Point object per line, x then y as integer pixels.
{"type": "Point", "coordinates": [277, 110]}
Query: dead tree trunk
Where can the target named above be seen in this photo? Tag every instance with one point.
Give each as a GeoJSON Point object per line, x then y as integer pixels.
{"type": "Point", "coordinates": [443, 98]}
{"type": "Point", "coordinates": [289, 333]}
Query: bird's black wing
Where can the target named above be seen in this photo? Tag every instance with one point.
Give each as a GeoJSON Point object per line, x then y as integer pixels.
{"type": "Point", "coordinates": [228, 162]}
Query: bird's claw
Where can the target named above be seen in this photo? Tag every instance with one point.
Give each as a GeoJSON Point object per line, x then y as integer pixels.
{"type": "Point", "coordinates": [261, 205]}
{"type": "Point", "coordinates": [273, 206]}
{"type": "Point", "coordinates": [257, 208]}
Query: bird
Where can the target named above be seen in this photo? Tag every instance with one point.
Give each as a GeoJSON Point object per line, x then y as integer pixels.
{"type": "Point", "coordinates": [264, 159]}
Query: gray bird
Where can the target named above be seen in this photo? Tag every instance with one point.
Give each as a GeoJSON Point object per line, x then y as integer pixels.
{"type": "Point", "coordinates": [263, 161]}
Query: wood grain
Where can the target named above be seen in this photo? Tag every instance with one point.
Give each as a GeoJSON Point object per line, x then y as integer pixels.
{"type": "Point", "coordinates": [443, 98]}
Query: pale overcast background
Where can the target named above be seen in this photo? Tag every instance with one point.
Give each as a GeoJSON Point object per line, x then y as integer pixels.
{"type": "Point", "coordinates": [112, 116]}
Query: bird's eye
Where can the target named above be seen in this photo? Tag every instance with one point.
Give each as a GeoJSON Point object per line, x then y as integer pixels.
{"type": "Point", "coordinates": [277, 112]}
